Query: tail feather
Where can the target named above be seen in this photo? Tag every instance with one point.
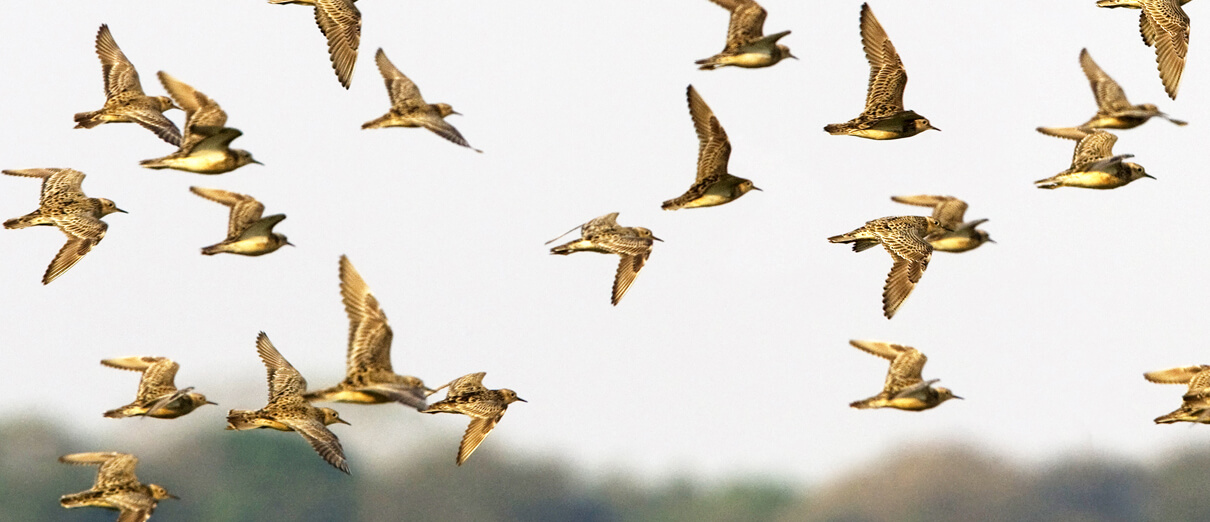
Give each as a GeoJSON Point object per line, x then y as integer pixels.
{"type": "Point", "coordinates": [79, 499]}
{"type": "Point", "coordinates": [117, 413]}
{"type": "Point", "coordinates": [377, 123]}
{"type": "Point", "coordinates": [1048, 183]}
{"type": "Point", "coordinates": [212, 249]}
{"type": "Point", "coordinates": [863, 404]}
{"type": "Point", "coordinates": [156, 163]}
{"type": "Point", "coordinates": [707, 64]}
{"type": "Point", "coordinates": [28, 220]}
{"type": "Point", "coordinates": [87, 120]}
{"type": "Point", "coordinates": [834, 128]}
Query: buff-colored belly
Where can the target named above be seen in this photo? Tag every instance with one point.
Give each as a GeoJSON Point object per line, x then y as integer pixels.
{"type": "Point", "coordinates": [202, 162]}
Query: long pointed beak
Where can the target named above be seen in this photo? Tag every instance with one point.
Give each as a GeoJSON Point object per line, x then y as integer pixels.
{"type": "Point", "coordinates": [959, 398]}
{"type": "Point", "coordinates": [170, 495]}
{"type": "Point", "coordinates": [1148, 176]}
{"type": "Point", "coordinates": [934, 128]}
{"type": "Point", "coordinates": [788, 55]}
{"type": "Point", "coordinates": [289, 243]}
{"type": "Point", "coordinates": [120, 210]}
{"type": "Point", "coordinates": [342, 421]}
{"type": "Point", "coordinates": [754, 187]}
{"type": "Point", "coordinates": [256, 162]}
{"type": "Point", "coordinates": [456, 112]}
{"type": "Point", "coordinates": [990, 240]}
{"type": "Point", "coordinates": [657, 239]}
{"type": "Point", "coordinates": [522, 400]}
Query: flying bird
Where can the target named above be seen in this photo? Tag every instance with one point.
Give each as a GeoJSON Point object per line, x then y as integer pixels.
{"type": "Point", "coordinates": [949, 211]}
{"type": "Point", "coordinates": [1195, 404]}
{"type": "Point", "coordinates": [1094, 166]}
{"type": "Point", "coordinates": [248, 234]}
{"type": "Point", "coordinates": [904, 389]}
{"type": "Point", "coordinates": [883, 117]}
{"type": "Point", "coordinates": [408, 108]}
{"type": "Point", "coordinates": [116, 487]}
{"type": "Point", "coordinates": [369, 379]}
{"type": "Point", "coordinates": [288, 411]}
{"type": "Point", "coordinates": [1114, 111]}
{"type": "Point", "coordinates": [747, 46]}
{"type": "Point", "coordinates": [485, 407]}
{"type": "Point", "coordinates": [605, 236]}
{"type": "Point", "coordinates": [64, 205]}
{"type": "Point", "coordinates": [206, 148]}
{"type": "Point", "coordinates": [157, 396]}
{"type": "Point", "coordinates": [124, 97]}
{"type": "Point", "coordinates": [903, 238]}
{"type": "Point", "coordinates": [713, 185]}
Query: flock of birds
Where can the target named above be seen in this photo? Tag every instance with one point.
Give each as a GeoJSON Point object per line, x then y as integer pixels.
{"type": "Point", "coordinates": [204, 147]}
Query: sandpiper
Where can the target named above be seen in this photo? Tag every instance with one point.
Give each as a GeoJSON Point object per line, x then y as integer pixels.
{"type": "Point", "coordinates": [340, 22]}
{"type": "Point", "coordinates": [713, 185]}
{"type": "Point", "coordinates": [116, 487]}
{"type": "Point", "coordinates": [369, 378]}
{"type": "Point", "coordinates": [949, 211]}
{"type": "Point", "coordinates": [206, 148]}
{"type": "Point", "coordinates": [904, 388]}
{"type": "Point", "coordinates": [408, 108]}
{"type": "Point", "coordinates": [604, 235]}
{"type": "Point", "coordinates": [1165, 26]}
{"type": "Point", "coordinates": [287, 411]}
{"type": "Point", "coordinates": [64, 205]}
{"type": "Point", "coordinates": [124, 98]}
{"type": "Point", "coordinates": [1114, 111]}
{"type": "Point", "coordinates": [747, 46]}
{"type": "Point", "coordinates": [903, 238]}
{"type": "Point", "coordinates": [883, 117]}
{"type": "Point", "coordinates": [248, 234]}
{"type": "Point", "coordinates": [1094, 166]}
{"type": "Point", "coordinates": [157, 396]}
{"type": "Point", "coordinates": [485, 407]}
{"type": "Point", "coordinates": [1196, 401]}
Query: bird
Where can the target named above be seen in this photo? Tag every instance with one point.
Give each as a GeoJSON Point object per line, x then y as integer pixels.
{"type": "Point", "coordinates": [903, 238]}
{"type": "Point", "coordinates": [1094, 166]}
{"type": "Point", "coordinates": [1195, 405]}
{"type": "Point", "coordinates": [206, 147]}
{"type": "Point", "coordinates": [64, 205]}
{"type": "Point", "coordinates": [408, 108]}
{"type": "Point", "coordinates": [904, 388]}
{"type": "Point", "coordinates": [883, 117]}
{"type": "Point", "coordinates": [157, 396]}
{"type": "Point", "coordinates": [604, 235]}
{"type": "Point", "coordinates": [747, 46]}
{"type": "Point", "coordinates": [287, 411]}
{"type": "Point", "coordinates": [116, 487]}
{"type": "Point", "coordinates": [949, 211]}
{"type": "Point", "coordinates": [485, 407]}
{"type": "Point", "coordinates": [1114, 111]}
{"type": "Point", "coordinates": [248, 234]}
{"type": "Point", "coordinates": [340, 22]}
{"type": "Point", "coordinates": [369, 378]}
{"type": "Point", "coordinates": [124, 97]}
{"type": "Point", "coordinates": [713, 185]}
{"type": "Point", "coordinates": [1164, 25]}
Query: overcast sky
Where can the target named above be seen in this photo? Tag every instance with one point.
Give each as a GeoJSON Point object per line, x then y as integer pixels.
{"type": "Point", "coordinates": [729, 355]}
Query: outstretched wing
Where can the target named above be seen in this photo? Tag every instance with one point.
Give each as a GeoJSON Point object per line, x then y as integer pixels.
{"type": "Point", "coordinates": [1109, 95]}
{"type": "Point", "coordinates": [888, 78]}
{"type": "Point", "coordinates": [340, 22]}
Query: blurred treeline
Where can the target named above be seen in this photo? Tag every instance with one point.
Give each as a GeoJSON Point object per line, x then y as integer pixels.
{"type": "Point", "coordinates": [269, 476]}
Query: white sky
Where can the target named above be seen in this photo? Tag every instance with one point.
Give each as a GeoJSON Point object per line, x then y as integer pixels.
{"type": "Point", "coordinates": [729, 355]}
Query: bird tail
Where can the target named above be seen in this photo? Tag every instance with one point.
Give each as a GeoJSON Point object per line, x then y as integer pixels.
{"type": "Point", "coordinates": [87, 120]}
{"type": "Point", "coordinates": [377, 123]}
{"type": "Point", "coordinates": [834, 128]}
{"type": "Point", "coordinates": [707, 64]}
{"type": "Point", "coordinates": [157, 163]}
{"type": "Point", "coordinates": [117, 413]}
{"type": "Point", "coordinates": [241, 420]}
{"type": "Point", "coordinates": [864, 404]}
{"type": "Point", "coordinates": [212, 249]}
{"type": "Point", "coordinates": [1048, 183]}
{"type": "Point", "coordinates": [79, 499]}
{"type": "Point", "coordinates": [27, 220]}
{"type": "Point", "coordinates": [859, 238]}
{"type": "Point", "coordinates": [1181, 414]}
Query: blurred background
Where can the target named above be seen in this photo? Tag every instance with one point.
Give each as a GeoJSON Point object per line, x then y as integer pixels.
{"type": "Point", "coordinates": [719, 387]}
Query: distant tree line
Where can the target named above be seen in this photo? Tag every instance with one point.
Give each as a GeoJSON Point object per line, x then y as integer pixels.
{"type": "Point", "coordinates": [225, 478]}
